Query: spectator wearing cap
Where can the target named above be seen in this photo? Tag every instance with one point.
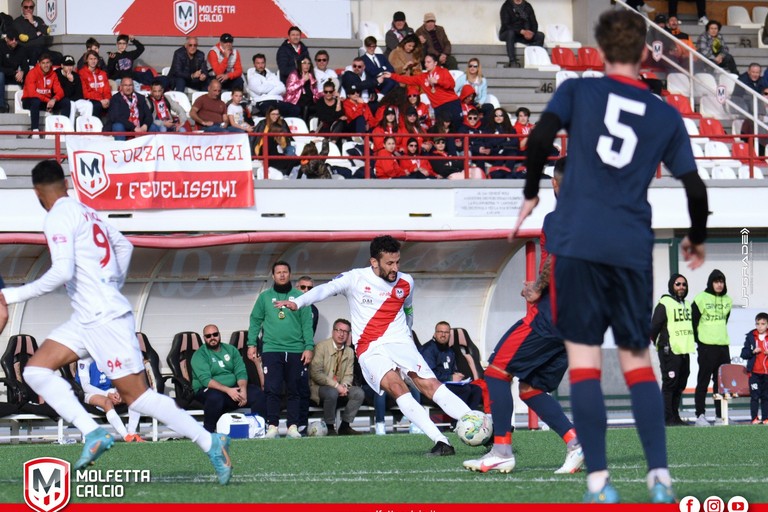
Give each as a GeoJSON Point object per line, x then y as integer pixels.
{"type": "Point", "coordinates": [13, 65]}
{"type": "Point", "coordinates": [225, 64]}
{"type": "Point", "coordinates": [376, 64]}
{"type": "Point", "coordinates": [435, 41]}
{"type": "Point", "coordinates": [290, 52]}
{"type": "Point", "coordinates": [397, 32]}
{"type": "Point", "coordinates": [189, 67]}
{"type": "Point", "coordinates": [519, 25]}
{"type": "Point", "coordinates": [73, 89]}
{"type": "Point", "coordinates": [366, 85]}
{"type": "Point", "coordinates": [387, 126]}
{"type": "Point", "coordinates": [358, 113]}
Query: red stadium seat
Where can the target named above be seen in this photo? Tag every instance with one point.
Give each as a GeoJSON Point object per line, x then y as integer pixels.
{"type": "Point", "coordinates": [565, 58]}
{"type": "Point", "coordinates": [589, 58]}
{"type": "Point", "coordinates": [683, 105]}
{"type": "Point", "coordinates": [742, 151]}
{"type": "Point", "coordinates": [713, 129]}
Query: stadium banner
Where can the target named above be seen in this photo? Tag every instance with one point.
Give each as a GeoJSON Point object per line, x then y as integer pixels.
{"type": "Point", "coordinates": [210, 18]}
{"type": "Point", "coordinates": [162, 171]}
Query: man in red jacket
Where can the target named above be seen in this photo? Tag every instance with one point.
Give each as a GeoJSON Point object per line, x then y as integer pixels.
{"type": "Point", "coordinates": [43, 90]}
{"type": "Point", "coordinates": [225, 64]}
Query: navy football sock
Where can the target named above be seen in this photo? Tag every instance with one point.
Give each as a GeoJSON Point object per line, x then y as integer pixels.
{"type": "Point", "coordinates": [589, 416]}
{"type": "Point", "coordinates": [501, 405]}
{"type": "Point", "coordinates": [549, 410]}
{"type": "Point", "coordinates": [648, 410]}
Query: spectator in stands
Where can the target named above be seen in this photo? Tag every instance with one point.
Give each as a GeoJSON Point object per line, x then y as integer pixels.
{"type": "Point", "coordinates": [414, 99]}
{"type": "Point", "coordinates": [442, 359]}
{"type": "Point", "coordinates": [210, 113]}
{"type": "Point", "coordinates": [42, 90]}
{"type": "Point", "coordinates": [467, 96]}
{"type": "Point", "coordinates": [301, 88]}
{"type": "Point", "coordinates": [672, 333]}
{"type": "Point", "coordinates": [322, 72]}
{"type": "Point", "coordinates": [290, 52]}
{"type": "Point", "coordinates": [224, 62]}
{"type": "Point", "coordinates": [397, 32]}
{"type": "Point", "coordinates": [387, 126]}
{"type": "Point", "coordinates": [753, 79]}
{"type": "Point", "coordinates": [365, 85]}
{"type": "Point", "coordinates": [122, 63]}
{"type": "Point", "coordinates": [167, 114]}
{"type": "Point", "coordinates": [712, 45]}
{"type": "Point", "coordinates": [73, 89]}
{"type": "Point", "coordinates": [413, 161]}
{"type": "Point", "coordinates": [91, 44]}
{"type": "Point", "coordinates": [376, 64]}
{"type": "Point", "coordinates": [673, 25]}
{"type": "Point", "coordinates": [501, 146]}
{"type": "Point", "coordinates": [405, 59]}
{"type": "Point", "coordinates": [710, 311]}
{"type": "Point", "coordinates": [474, 77]}
{"type": "Point", "coordinates": [13, 64]}
{"type": "Point", "coordinates": [356, 109]}
{"type": "Point", "coordinates": [331, 372]}
{"type": "Point", "coordinates": [287, 349]}
{"type": "Point", "coordinates": [276, 146]}
{"type": "Point", "coordinates": [128, 112]}
{"type": "Point", "coordinates": [748, 127]}
{"type": "Point", "coordinates": [189, 67]}
{"type": "Point", "coordinates": [437, 83]}
{"type": "Point", "coordinates": [34, 35]}
{"type": "Point", "coordinates": [523, 126]}
{"type": "Point", "coordinates": [443, 125]}
{"type": "Point", "coordinates": [95, 84]}
{"type": "Point", "coordinates": [236, 113]}
{"type": "Point", "coordinates": [701, 10]}
{"type": "Point", "coordinates": [443, 167]}
{"type": "Point", "coordinates": [220, 380]}
{"type": "Point", "coordinates": [330, 111]}
{"type": "Point", "coordinates": [100, 393]}
{"type": "Point", "coordinates": [388, 162]}
{"type": "Point", "coordinates": [472, 125]}
{"type": "Point", "coordinates": [519, 25]}
{"type": "Point", "coordinates": [755, 353]}
{"type": "Point", "coordinates": [266, 90]}
{"type": "Point", "coordinates": [409, 123]}
{"type": "Point", "coordinates": [436, 42]}
{"type": "Point", "coordinates": [312, 168]}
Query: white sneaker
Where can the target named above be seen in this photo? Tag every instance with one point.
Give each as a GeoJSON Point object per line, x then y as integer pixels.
{"type": "Point", "coordinates": [703, 20]}
{"type": "Point", "coordinates": [35, 134]}
{"type": "Point", "coordinates": [719, 422]}
{"type": "Point", "coordinates": [381, 429]}
{"type": "Point", "coordinates": [271, 432]}
{"type": "Point", "coordinates": [293, 432]}
{"type": "Point", "coordinates": [701, 421]}
{"type": "Point", "coordinates": [491, 462]}
{"type": "Point", "coordinates": [574, 460]}
{"type": "Point", "coordinates": [647, 8]}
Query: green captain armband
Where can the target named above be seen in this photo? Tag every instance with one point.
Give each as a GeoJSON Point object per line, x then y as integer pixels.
{"type": "Point", "coordinates": [408, 311]}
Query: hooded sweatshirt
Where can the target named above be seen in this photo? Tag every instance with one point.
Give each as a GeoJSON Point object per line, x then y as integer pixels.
{"type": "Point", "coordinates": [680, 323]}
{"type": "Point", "coordinates": [711, 312]}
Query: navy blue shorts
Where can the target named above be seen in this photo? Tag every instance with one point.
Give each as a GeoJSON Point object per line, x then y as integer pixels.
{"type": "Point", "coordinates": [590, 297]}
{"type": "Point", "coordinates": [534, 359]}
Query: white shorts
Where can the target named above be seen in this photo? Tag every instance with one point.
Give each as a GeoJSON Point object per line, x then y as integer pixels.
{"type": "Point", "coordinates": [399, 355]}
{"type": "Point", "coordinates": [113, 345]}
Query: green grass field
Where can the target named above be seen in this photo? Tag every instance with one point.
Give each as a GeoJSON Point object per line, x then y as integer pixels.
{"type": "Point", "coordinates": [723, 461]}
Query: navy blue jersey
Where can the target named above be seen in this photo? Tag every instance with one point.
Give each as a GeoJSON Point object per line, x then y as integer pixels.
{"type": "Point", "coordinates": [618, 133]}
{"type": "Point", "coordinates": [542, 323]}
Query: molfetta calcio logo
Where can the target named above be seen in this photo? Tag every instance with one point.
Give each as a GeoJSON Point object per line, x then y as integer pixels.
{"type": "Point", "coordinates": [51, 10]}
{"type": "Point", "coordinates": [185, 15]}
{"type": "Point", "coordinates": [90, 173]}
{"type": "Point", "coordinates": [46, 484]}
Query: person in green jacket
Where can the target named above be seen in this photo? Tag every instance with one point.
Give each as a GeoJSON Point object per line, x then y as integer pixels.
{"type": "Point", "coordinates": [672, 333]}
{"type": "Point", "coordinates": [287, 347]}
{"type": "Point", "coordinates": [711, 309]}
{"type": "Point", "coordinates": [220, 380]}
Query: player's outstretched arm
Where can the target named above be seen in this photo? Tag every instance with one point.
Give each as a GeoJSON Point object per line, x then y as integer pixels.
{"type": "Point", "coordinates": [698, 209]}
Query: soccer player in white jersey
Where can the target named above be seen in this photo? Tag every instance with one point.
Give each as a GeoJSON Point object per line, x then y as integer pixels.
{"type": "Point", "coordinates": [91, 259]}
{"type": "Point", "coordinates": [381, 305]}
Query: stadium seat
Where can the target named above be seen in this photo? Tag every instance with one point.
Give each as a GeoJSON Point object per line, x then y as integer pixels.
{"type": "Point", "coordinates": [151, 363]}
{"type": "Point", "coordinates": [683, 105]}
{"type": "Point", "coordinates": [713, 128]}
{"type": "Point", "coordinates": [166, 71]}
{"type": "Point", "coordinates": [467, 354]}
{"type": "Point", "coordinates": [239, 340]}
{"type": "Point", "coordinates": [721, 172]}
{"type": "Point", "coordinates": [17, 107]}
{"type": "Point", "coordinates": [703, 84]}
{"type": "Point", "coordinates": [88, 124]}
{"type": "Point", "coordinates": [732, 382]}
{"type": "Point", "coordinates": [760, 43]}
{"type": "Point", "coordinates": [679, 83]}
{"type": "Point", "coordinates": [226, 96]}
{"type": "Point", "coordinates": [369, 28]}
{"type": "Point", "coordinates": [537, 57]}
{"type": "Point", "coordinates": [592, 73]}
{"type": "Point", "coordinates": [298, 126]}
{"type": "Point", "coordinates": [179, 361]}
{"type": "Point", "coordinates": [721, 155]}
{"type": "Point", "coordinates": [736, 126]}
{"type": "Point", "coordinates": [455, 73]}
{"type": "Point", "coordinates": [19, 350]}
{"type": "Point", "coordinates": [558, 34]}
{"type": "Point", "coordinates": [703, 173]}
{"type": "Point", "coordinates": [693, 131]}
{"type": "Point", "coordinates": [196, 95]}
{"type": "Point", "coordinates": [493, 100]}
{"type": "Point", "coordinates": [565, 58]}
{"type": "Point", "coordinates": [729, 81]}
{"type": "Point", "coordinates": [180, 98]}
{"type": "Point", "coordinates": [57, 123]}
{"type": "Point", "coordinates": [563, 75]}
{"type": "Point", "coordinates": [710, 107]}
{"type": "Point", "coordinates": [757, 173]}
{"type": "Point", "coordinates": [739, 16]}
{"type": "Point", "coordinates": [589, 58]}
{"type": "Point", "coordinates": [759, 14]}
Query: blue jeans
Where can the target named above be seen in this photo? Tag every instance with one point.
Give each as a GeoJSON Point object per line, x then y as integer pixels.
{"type": "Point", "coordinates": [120, 127]}
{"type": "Point", "coordinates": [216, 403]}
{"type": "Point", "coordinates": [34, 105]}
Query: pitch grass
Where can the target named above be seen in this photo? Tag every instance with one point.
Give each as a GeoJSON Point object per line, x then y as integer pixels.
{"type": "Point", "coordinates": [722, 461]}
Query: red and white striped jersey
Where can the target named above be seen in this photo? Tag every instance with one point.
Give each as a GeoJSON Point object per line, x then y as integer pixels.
{"type": "Point", "coordinates": [380, 311]}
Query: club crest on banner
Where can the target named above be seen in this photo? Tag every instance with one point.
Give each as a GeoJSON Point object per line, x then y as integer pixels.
{"type": "Point", "coordinates": [90, 176]}
{"type": "Point", "coordinates": [51, 10]}
{"type": "Point", "coordinates": [657, 47]}
{"type": "Point", "coordinates": [46, 484]}
{"type": "Point", "coordinates": [185, 15]}
{"type": "Point", "coordinates": [721, 94]}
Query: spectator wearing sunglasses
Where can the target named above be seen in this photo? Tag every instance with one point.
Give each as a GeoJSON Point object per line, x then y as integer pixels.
{"type": "Point", "coordinates": [322, 72]}
{"type": "Point", "coordinates": [366, 85]}
{"type": "Point", "coordinates": [220, 380]}
{"type": "Point", "coordinates": [474, 76]}
{"type": "Point", "coordinates": [34, 35]}
{"type": "Point", "coordinates": [189, 67]}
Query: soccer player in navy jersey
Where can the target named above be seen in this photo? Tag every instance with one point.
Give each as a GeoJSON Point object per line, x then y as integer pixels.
{"type": "Point", "coordinates": [602, 238]}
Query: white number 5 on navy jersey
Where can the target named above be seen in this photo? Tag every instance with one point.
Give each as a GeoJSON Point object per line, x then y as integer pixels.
{"type": "Point", "coordinates": [613, 109]}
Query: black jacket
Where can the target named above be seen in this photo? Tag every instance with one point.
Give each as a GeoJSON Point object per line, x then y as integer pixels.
{"type": "Point", "coordinates": [119, 112]}
{"type": "Point", "coordinates": [121, 64]}
{"type": "Point", "coordinates": [183, 67]}
{"type": "Point", "coordinates": [11, 59]}
{"type": "Point", "coordinates": [72, 90]}
{"type": "Point", "coordinates": [287, 58]}
{"type": "Point", "coordinates": [510, 20]}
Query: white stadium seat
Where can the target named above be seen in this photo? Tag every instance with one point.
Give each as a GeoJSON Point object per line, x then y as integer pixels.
{"type": "Point", "coordinates": [537, 57]}
{"type": "Point", "coordinates": [558, 34]}
{"type": "Point", "coordinates": [739, 16]}
{"type": "Point", "coordinates": [56, 123]}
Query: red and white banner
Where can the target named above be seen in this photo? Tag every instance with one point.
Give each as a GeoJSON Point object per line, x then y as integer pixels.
{"type": "Point", "coordinates": [162, 171]}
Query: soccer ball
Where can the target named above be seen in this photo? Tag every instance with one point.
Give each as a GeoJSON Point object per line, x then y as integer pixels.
{"type": "Point", "coordinates": [317, 429]}
{"type": "Point", "coordinates": [474, 428]}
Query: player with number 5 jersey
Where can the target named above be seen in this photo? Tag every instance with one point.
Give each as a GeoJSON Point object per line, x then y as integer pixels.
{"type": "Point", "coordinates": [90, 258]}
{"type": "Point", "coordinates": [602, 238]}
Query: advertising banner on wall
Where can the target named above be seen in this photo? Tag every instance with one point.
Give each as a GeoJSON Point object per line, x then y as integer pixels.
{"type": "Point", "coordinates": [162, 172]}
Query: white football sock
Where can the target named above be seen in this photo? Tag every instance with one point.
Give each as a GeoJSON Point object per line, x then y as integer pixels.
{"type": "Point", "coordinates": [660, 474]}
{"type": "Point", "coordinates": [133, 420]}
{"type": "Point", "coordinates": [58, 393]}
{"type": "Point", "coordinates": [597, 480]}
{"type": "Point", "coordinates": [151, 403]}
{"type": "Point", "coordinates": [114, 419]}
{"type": "Point", "coordinates": [416, 413]}
{"type": "Point", "coordinates": [451, 405]}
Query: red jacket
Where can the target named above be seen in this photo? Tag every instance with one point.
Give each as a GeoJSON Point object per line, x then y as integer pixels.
{"type": "Point", "coordinates": [410, 163]}
{"type": "Point", "coordinates": [443, 90]}
{"type": "Point", "coordinates": [232, 66]}
{"type": "Point", "coordinates": [388, 168]}
{"type": "Point", "coordinates": [381, 134]}
{"type": "Point", "coordinates": [353, 110]}
{"type": "Point", "coordinates": [43, 87]}
{"type": "Point", "coordinates": [95, 84]}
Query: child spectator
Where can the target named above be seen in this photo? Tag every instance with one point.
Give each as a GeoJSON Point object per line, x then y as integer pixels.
{"type": "Point", "coordinates": [413, 161]}
{"type": "Point", "coordinates": [387, 126]}
{"type": "Point", "coordinates": [235, 111]}
{"type": "Point", "coordinates": [91, 44]}
{"type": "Point", "coordinates": [755, 352]}
{"type": "Point", "coordinates": [358, 113]}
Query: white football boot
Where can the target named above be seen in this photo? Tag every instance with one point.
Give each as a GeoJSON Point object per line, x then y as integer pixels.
{"type": "Point", "coordinates": [491, 462]}
{"type": "Point", "coordinates": [574, 460]}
